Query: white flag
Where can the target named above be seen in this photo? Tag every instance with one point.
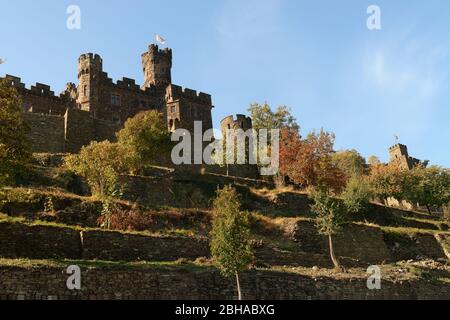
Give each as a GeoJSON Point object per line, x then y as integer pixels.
{"type": "Point", "coordinates": [2, 61]}
{"type": "Point", "coordinates": [160, 39]}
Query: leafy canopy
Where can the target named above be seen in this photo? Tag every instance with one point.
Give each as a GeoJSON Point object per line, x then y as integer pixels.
{"type": "Point", "coordinates": [308, 162]}
{"type": "Point", "coordinates": [15, 155]}
{"type": "Point", "coordinates": [330, 212]}
{"type": "Point", "coordinates": [230, 235]}
{"type": "Point", "coordinates": [145, 138]}
{"type": "Point", "coordinates": [100, 163]}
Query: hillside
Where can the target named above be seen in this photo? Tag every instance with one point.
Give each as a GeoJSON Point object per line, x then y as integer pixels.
{"type": "Point", "coordinates": [160, 244]}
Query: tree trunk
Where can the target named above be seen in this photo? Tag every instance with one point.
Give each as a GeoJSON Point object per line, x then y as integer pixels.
{"type": "Point", "coordinates": [238, 287]}
{"type": "Point", "coordinates": [336, 263]}
{"type": "Point", "coordinates": [429, 210]}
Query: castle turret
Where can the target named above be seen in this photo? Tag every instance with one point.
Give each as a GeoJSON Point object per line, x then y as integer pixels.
{"type": "Point", "coordinates": [157, 65]}
{"type": "Point", "coordinates": [399, 156]}
{"type": "Point", "coordinates": [90, 68]}
{"type": "Point", "coordinates": [241, 122]}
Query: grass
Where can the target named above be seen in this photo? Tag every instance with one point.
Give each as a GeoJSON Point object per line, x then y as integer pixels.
{"type": "Point", "coordinates": [101, 264]}
{"type": "Point", "coordinates": [411, 231]}
{"type": "Point", "coordinates": [162, 233]}
{"type": "Point", "coordinates": [397, 272]}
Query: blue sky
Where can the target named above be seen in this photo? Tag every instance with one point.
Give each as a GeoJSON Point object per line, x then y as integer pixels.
{"type": "Point", "coordinates": [317, 57]}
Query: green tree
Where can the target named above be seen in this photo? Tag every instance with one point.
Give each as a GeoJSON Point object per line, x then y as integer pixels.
{"type": "Point", "coordinates": [350, 162]}
{"type": "Point", "coordinates": [15, 155]}
{"type": "Point", "coordinates": [264, 118]}
{"type": "Point", "coordinates": [428, 186]}
{"type": "Point", "coordinates": [357, 194]}
{"type": "Point", "coordinates": [330, 218]}
{"type": "Point", "coordinates": [387, 181]}
{"type": "Point", "coordinates": [230, 235]}
{"type": "Point", "coordinates": [373, 161]}
{"type": "Point", "coordinates": [100, 164]}
{"type": "Point", "coordinates": [146, 139]}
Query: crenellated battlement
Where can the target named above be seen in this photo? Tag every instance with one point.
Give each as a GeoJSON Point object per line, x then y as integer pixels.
{"type": "Point", "coordinates": [128, 83]}
{"type": "Point", "coordinates": [154, 52]}
{"type": "Point", "coordinates": [239, 122]}
{"type": "Point", "coordinates": [39, 89]}
{"type": "Point", "coordinates": [157, 65]}
{"type": "Point", "coordinates": [90, 57]}
{"type": "Point", "coordinates": [15, 81]}
{"type": "Point", "coordinates": [174, 92]}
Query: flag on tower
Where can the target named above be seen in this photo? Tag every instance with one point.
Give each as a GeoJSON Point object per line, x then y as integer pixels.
{"type": "Point", "coordinates": [160, 39]}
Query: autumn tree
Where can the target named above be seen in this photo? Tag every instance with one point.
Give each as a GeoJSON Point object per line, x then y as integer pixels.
{"type": "Point", "coordinates": [230, 235]}
{"type": "Point", "coordinates": [308, 162]}
{"type": "Point", "coordinates": [330, 218]}
{"type": "Point", "coordinates": [350, 162]}
{"type": "Point", "coordinates": [428, 186]}
{"type": "Point", "coordinates": [373, 161]}
{"type": "Point", "coordinates": [387, 181]}
{"type": "Point", "coordinates": [15, 155]}
{"type": "Point", "coordinates": [146, 139]}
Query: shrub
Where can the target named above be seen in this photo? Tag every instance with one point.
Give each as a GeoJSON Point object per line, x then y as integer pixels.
{"type": "Point", "coordinates": [357, 195]}
{"type": "Point", "coordinates": [15, 156]}
{"type": "Point", "coordinates": [100, 164]}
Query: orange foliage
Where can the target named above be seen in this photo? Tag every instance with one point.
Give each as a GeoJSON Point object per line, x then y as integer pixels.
{"type": "Point", "coordinates": [307, 162]}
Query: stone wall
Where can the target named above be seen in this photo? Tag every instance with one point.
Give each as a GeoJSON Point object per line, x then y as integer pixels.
{"type": "Point", "coordinates": [68, 133]}
{"type": "Point", "coordinates": [128, 247]}
{"type": "Point", "coordinates": [192, 283]}
{"type": "Point", "coordinates": [38, 242]}
{"type": "Point", "coordinates": [46, 132]}
{"type": "Point", "coordinates": [80, 130]}
{"type": "Point", "coordinates": [361, 243]}
{"type": "Point", "coordinates": [19, 240]}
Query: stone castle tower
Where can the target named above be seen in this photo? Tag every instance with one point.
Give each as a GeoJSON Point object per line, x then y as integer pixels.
{"type": "Point", "coordinates": [157, 66]}
{"type": "Point", "coordinates": [90, 68]}
{"type": "Point", "coordinates": [398, 155]}
{"type": "Point", "coordinates": [241, 122]}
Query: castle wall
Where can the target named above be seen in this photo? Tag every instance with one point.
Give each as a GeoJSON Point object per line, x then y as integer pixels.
{"type": "Point", "coordinates": [68, 133]}
{"type": "Point", "coordinates": [184, 106]}
{"type": "Point", "coordinates": [132, 100]}
{"type": "Point", "coordinates": [40, 99]}
{"type": "Point", "coordinates": [46, 132]}
{"type": "Point", "coordinates": [80, 129]}
{"type": "Point", "coordinates": [106, 130]}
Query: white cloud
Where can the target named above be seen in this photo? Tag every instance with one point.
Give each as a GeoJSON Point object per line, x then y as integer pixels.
{"type": "Point", "coordinates": [409, 68]}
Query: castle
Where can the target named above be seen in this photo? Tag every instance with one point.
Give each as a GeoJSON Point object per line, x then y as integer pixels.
{"type": "Point", "coordinates": [96, 108]}
{"type": "Point", "coordinates": [399, 155]}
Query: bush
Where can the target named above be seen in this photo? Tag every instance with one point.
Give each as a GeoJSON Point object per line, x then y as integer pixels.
{"type": "Point", "coordinates": [357, 195]}
{"type": "Point", "coordinates": [117, 218]}
{"type": "Point", "coordinates": [100, 164]}
{"type": "Point", "coordinates": [146, 139]}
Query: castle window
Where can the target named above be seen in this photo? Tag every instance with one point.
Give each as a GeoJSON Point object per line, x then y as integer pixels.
{"type": "Point", "coordinates": [173, 109]}
{"type": "Point", "coordinates": [85, 91]}
{"type": "Point", "coordinates": [115, 100]}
